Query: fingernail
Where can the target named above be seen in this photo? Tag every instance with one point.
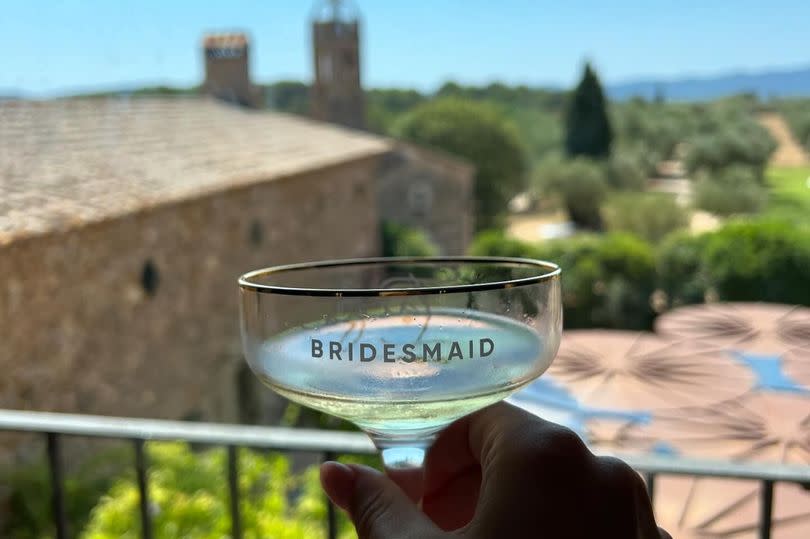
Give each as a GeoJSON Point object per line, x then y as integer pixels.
{"type": "Point", "coordinates": [338, 481]}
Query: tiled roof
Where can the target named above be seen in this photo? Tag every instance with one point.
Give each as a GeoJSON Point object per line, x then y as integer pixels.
{"type": "Point", "coordinates": [69, 162]}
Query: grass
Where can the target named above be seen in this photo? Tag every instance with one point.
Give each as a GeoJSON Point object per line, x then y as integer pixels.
{"type": "Point", "coordinates": [789, 195]}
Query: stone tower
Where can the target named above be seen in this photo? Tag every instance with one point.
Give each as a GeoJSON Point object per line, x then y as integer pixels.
{"type": "Point", "coordinates": [337, 93]}
{"type": "Point", "coordinates": [227, 74]}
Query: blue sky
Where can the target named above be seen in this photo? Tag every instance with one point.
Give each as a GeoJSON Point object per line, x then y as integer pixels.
{"type": "Point", "coordinates": [52, 47]}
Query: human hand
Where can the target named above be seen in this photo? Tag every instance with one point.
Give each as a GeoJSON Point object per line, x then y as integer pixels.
{"type": "Point", "coordinates": [500, 472]}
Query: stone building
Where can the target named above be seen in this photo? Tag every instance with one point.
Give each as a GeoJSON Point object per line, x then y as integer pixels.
{"type": "Point", "coordinates": [417, 187]}
{"type": "Point", "coordinates": [431, 191]}
{"type": "Point", "coordinates": [227, 69]}
{"type": "Point", "coordinates": [337, 91]}
{"type": "Point", "coordinates": [124, 225]}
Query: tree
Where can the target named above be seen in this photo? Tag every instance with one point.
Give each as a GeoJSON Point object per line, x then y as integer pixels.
{"type": "Point", "coordinates": [288, 96]}
{"type": "Point", "coordinates": [729, 190]}
{"type": "Point", "coordinates": [582, 186]}
{"type": "Point", "coordinates": [740, 141]}
{"type": "Point", "coordinates": [588, 131]}
{"type": "Point", "coordinates": [479, 133]}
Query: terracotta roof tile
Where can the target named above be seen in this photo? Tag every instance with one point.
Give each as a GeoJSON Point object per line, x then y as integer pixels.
{"type": "Point", "coordinates": [69, 162]}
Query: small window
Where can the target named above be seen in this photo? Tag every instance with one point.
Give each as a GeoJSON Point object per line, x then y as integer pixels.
{"type": "Point", "coordinates": [256, 233]}
{"type": "Point", "coordinates": [325, 67]}
{"type": "Point", "coordinates": [150, 278]}
{"type": "Point", "coordinates": [420, 199]}
{"type": "Point", "coordinates": [348, 60]}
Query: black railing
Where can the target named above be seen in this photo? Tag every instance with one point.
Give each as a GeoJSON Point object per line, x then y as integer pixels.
{"type": "Point", "coordinates": [327, 444]}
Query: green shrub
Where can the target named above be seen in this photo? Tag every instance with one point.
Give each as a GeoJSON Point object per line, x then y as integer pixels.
{"type": "Point", "coordinates": [734, 189]}
{"type": "Point", "coordinates": [400, 240]}
{"type": "Point", "coordinates": [607, 280]}
{"type": "Point", "coordinates": [190, 498]}
{"type": "Point", "coordinates": [481, 134]}
{"type": "Point", "coordinates": [29, 511]}
{"type": "Point", "coordinates": [625, 171]}
{"type": "Point", "coordinates": [581, 185]}
{"type": "Point", "coordinates": [647, 215]}
{"type": "Point", "coordinates": [734, 142]}
{"type": "Point", "coordinates": [679, 265]}
{"type": "Point", "coordinates": [760, 261]}
{"type": "Point", "coordinates": [496, 243]}
{"type": "Point", "coordinates": [743, 261]}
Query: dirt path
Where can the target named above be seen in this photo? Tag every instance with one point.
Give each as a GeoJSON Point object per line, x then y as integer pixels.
{"type": "Point", "coordinates": [789, 153]}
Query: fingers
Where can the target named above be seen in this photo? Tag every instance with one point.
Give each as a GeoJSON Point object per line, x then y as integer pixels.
{"type": "Point", "coordinates": [378, 508]}
{"type": "Point", "coordinates": [627, 506]}
{"type": "Point", "coordinates": [409, 480]}
{"type": "Point", "coordinates": [337, 481]}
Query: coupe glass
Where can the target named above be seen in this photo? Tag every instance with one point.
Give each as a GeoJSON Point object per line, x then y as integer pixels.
{"type": "Point", "coordinates": [401, 347]}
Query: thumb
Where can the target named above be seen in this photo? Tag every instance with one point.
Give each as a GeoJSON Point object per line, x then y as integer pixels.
{"type": "Point", "coordinates": [378, 508]}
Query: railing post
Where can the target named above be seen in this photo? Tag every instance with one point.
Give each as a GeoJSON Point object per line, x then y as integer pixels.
{"type": "Point", "coordinates": [143, 489]}
{"type": "Point", "coordinates": [57, 485]}
{"type": "Point", "coordinates": [233, 489]}
{"type": "Point", "coordinates": [331, 515]}
{"type": "Point", "coordinates": [766, 509]}
{"type": "Point", "coordinates": [649, 480]}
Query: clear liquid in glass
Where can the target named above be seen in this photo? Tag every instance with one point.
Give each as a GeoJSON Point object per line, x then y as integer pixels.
{"type": "Point", "coordinates": [402, 378]}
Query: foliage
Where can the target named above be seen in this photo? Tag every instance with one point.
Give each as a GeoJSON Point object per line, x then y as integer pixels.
{"type": "Point", "coordinates": [679, 265]}
{"type": "Point", "coordinates": [588, 132]}
{"type": "Point", "coordinates": [540, 131]}
{"type": "Point", "coordinates": [511, 97]}
{"type": "Point", "coordinates": [626, 171]}
{"type": "Point", "coordinates": [797, 114]}
{"type": "Point", "coordinates": [734, 189]}
{"type": "Point", "coordinates": [190, 498]}
{"type": "Point", "coordinates": [400, 240]}
{"type": "Point", "coordinates": [479, 133]}
{"type": "Point", "coordinates": [740, 141]}
{"type": "Point", "coordinates": [607, 280]}
{"type": "Point", "coordinates": [789, 195]}
{"type": "Point", "coordinates": [647, 215]}
{"type": "Point", "coordinates": [764, 260]}
{"type": "Point", "coordinates": [288, 96]}
{"type": "Point", "coordinates": [29, 511]}
{"type": "Point", "coordinates": [581, 185]}
{"type": "Point", "coordinates": [385, 105]}
{"type": "Point", "coordinates": [497, 243]}
{"type": "Point", "coordinates": [655, 127]}
{"type": "Point", "coordinates": [760, 261]}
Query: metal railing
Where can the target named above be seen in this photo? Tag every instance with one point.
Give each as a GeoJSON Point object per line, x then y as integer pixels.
{"type": "Point", "coordinates": [326, 444]}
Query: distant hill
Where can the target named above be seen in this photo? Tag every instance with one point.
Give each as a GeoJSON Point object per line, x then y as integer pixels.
{"type": "Point", "coordinates": [292, 96]}
{"type": "Point", "coordinates": [765, 84]}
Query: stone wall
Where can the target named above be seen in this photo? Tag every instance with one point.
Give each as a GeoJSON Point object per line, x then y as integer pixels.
{"type": "Point", "coordinates": [430, 191]}
{"type": "Point", "coordinates": [138, 316]}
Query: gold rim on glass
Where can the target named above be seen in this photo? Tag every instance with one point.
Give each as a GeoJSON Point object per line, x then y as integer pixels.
{"type": "Point", "coordinates": [247, 281]}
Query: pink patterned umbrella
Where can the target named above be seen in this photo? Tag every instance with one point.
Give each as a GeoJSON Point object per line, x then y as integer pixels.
{"type": "Point", "coordinates": [761, 427]}
{"type": "Point", "coordinates": [716, 508]}
{"type": "Point", "coordinates": [620, 370]}
{"type": "Point", "coordinates": [761, 328]}
{"type": "Point", "coordinates": [757, 427]}
{"type": "Point", "coordinates": [797, 365]}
